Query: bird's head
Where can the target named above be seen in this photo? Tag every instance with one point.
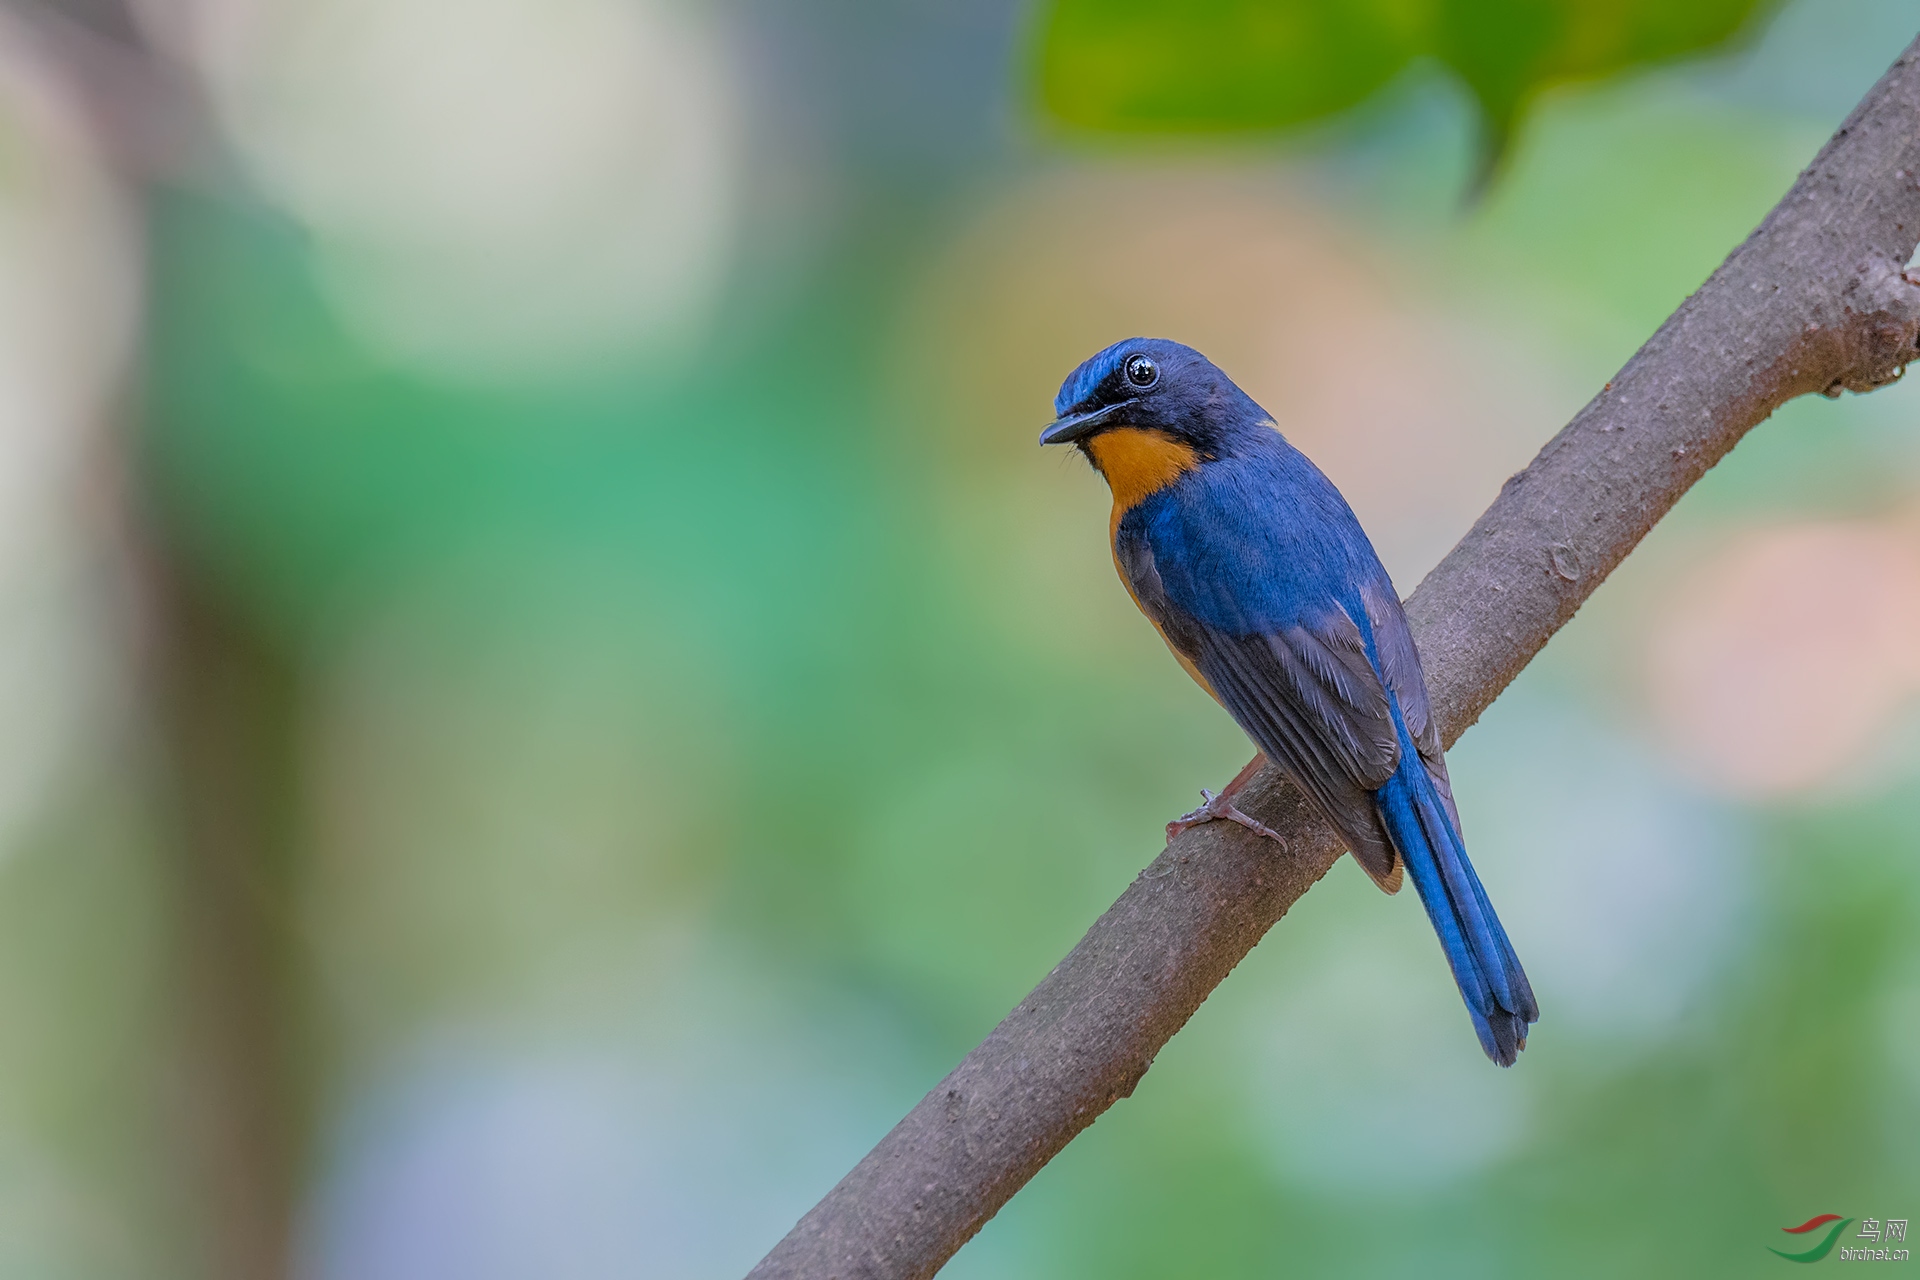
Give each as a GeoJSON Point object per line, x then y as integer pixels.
{"type": "Point", "coordinates": [1146, 410]}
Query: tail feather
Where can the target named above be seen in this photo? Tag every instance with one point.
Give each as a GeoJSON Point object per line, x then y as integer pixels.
{"type": "Point", "coordinates": [1492, 947]}
{"type": "Point", "coordinates": [1494, 986]}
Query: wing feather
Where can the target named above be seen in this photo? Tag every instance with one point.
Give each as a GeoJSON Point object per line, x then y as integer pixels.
{"type": "Point", "coordinates": [1316, 737]}
{"type": "Point", "coordinates": [1307, 694]}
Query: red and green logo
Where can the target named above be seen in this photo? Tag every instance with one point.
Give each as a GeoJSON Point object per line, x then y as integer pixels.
{"type": "Point", "coordinates": [1825, 1246]}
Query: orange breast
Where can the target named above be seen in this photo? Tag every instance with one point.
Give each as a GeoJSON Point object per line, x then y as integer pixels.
{"type": "Point", "coordinates": [1136, 464]}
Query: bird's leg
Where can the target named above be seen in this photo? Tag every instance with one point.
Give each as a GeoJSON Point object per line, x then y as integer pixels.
{"type": "Point", "coordinates": [1221, 806]}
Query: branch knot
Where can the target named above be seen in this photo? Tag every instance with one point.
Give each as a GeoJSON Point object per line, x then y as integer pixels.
{"type": "Point", "coordinates": [1881, 327]}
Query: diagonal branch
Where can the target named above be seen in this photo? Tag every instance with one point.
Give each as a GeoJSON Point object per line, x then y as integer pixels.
{"type": "Point", "coordinates": [1816, 299]}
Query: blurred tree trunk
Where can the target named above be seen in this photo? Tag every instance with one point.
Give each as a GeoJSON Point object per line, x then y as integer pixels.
{"type": "Point", "coordinates": [224, 702]}
{"type": "Point", "coordinates": [221, 700]}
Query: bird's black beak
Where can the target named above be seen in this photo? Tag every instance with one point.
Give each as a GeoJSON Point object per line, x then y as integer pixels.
{"type": "Point", "coordinates": [1078, 426]}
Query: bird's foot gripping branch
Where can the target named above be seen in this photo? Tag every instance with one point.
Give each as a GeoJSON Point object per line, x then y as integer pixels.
{"type": "Point", "coordinates": [1816, 299]}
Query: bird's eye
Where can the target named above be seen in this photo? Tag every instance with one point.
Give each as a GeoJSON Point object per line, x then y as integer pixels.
{"type": "Point", "coordinates": [1142, 372]}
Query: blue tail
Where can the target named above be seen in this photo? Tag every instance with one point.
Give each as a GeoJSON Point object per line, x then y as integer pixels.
{"type": "Point", "coordinates": [1491, 980]}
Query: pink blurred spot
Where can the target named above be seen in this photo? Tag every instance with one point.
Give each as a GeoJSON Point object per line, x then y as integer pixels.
{"type": "Point", "coordinates": [1781, 663]}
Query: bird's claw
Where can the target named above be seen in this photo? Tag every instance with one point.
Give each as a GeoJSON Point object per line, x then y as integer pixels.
{"type": "Point", "coordinates": [1219, 806]}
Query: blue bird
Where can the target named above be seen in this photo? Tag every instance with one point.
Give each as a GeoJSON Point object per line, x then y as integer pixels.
{"type": "Point", "coordinates": [1261, 581]}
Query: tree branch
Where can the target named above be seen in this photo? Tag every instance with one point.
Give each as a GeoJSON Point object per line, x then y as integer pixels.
{"type": "Point", "coordinates": [1816, 299]}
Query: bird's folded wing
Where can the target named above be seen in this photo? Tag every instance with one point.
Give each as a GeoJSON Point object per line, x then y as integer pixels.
{"type": "Point", "coordinates": [1307, 693]}
{"type": "Point", "coordinates": [1311, 700]}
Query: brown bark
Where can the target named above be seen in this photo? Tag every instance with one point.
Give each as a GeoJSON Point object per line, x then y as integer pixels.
{"type": "Point", "coordinates": [1816, 299]}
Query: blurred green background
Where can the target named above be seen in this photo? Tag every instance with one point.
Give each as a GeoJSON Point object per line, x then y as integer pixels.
{"type": "Point", "coordinates": [550, 694]}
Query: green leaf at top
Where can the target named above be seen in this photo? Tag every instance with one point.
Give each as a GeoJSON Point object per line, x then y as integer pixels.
{"type": "Point", "coordinates": [1138, 66]}
{"type": "Point", "coordinates": [1142, 65]}
{"type": "Point", "coordinates": [1507, 51]}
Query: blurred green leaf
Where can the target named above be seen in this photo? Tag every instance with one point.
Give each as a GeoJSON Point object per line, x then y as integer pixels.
{"type": "Point", "coordinates": [1219, 65]}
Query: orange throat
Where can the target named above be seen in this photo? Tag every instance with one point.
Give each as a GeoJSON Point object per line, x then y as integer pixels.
{"type": "Point", "coordinates": [1137, 463]}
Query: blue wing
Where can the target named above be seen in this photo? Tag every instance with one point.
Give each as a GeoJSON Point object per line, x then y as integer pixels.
{"type": "Point", "coordinates": [1258, 574]}
{"type": "Point", "coordinates": [1264, 582]}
